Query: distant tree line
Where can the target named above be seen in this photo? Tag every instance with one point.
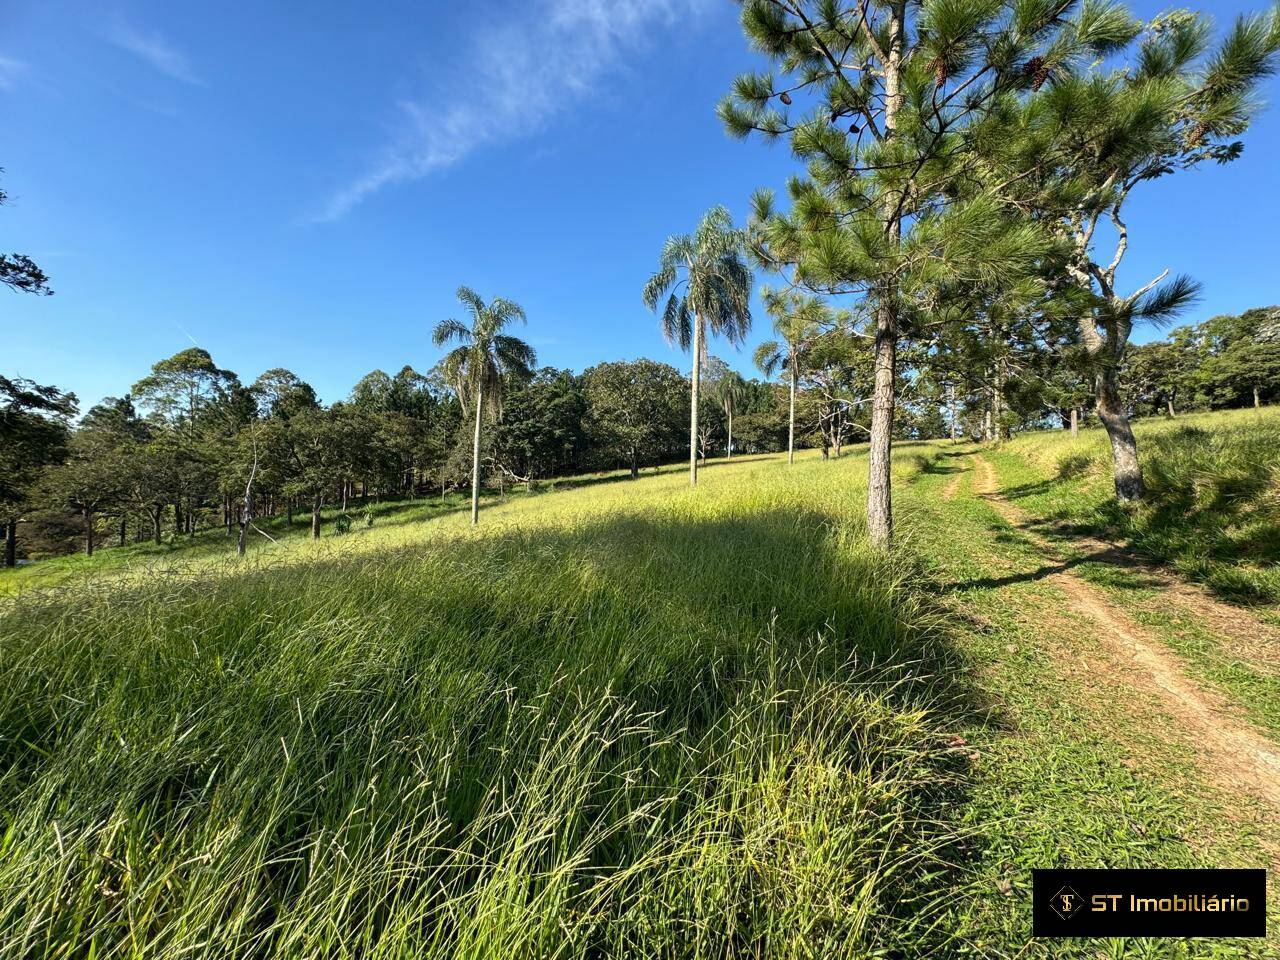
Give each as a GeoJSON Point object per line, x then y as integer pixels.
{"type": "Point", "coordinates": [1226, 361]}
{"type": "Point", "coordinates": [949, 259]}
{"type": "Point", "coordinates": [190, 446]}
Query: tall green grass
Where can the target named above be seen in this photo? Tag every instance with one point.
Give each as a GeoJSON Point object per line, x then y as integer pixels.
{"type": "Point", "coordinates": [1213, 504]}
{"type": "Point", "coordinates": [631, 720]}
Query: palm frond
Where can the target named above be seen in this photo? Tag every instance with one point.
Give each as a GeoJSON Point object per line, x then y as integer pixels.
{"type": "Point", "coordinates": [471, 300]}
{"type": "Point", "coordinates": [677, 322]}
{"type": "Point", "coordinates": [769, 357]}
{"type": "Point", "coordinates": [659, 284]}
{"type": "Point", "coordinates": [514, 356]}
{"type": "Point", "coordinates": [447, 331]}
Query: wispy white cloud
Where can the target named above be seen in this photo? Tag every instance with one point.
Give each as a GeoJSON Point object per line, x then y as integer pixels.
{"type": "Point", "coordinates": [511, 82]}
{"type": "Point", "coordinates": [153, 49]}
{"type": "Point", "coordinates": [10, 71]}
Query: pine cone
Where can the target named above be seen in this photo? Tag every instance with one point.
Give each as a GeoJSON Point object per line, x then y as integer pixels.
{"type": "Point", "coordinates": [1037, 70]}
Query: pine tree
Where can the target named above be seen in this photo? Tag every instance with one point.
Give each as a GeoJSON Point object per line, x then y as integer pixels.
{"type": "Point", "coordinates": [1094, 134]}
{"type": "Point", "coordinates": [880, 98]}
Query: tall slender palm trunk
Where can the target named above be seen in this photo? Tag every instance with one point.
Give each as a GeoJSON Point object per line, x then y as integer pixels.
{"type": "Point", "coordinates": [693, 413]}
{"type": "Point", "coordinates": [475, 463]}
{"type": "Point", "coordinates": [730, 451]}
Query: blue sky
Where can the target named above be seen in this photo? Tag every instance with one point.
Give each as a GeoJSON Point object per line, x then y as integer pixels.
{"type": "Point", "coordinates": [305, 185]}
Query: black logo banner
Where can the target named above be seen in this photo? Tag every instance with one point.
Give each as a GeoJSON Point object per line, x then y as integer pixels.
{"type": "Point", "coordinates": [1149, 903]}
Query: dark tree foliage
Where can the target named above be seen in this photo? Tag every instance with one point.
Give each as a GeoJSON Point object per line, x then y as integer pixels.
{"type": "Point", "coordinates": [33, 435]}
{"type": "Point", "coordinates": [19, 272]}
{"type": "Point", "coordinates": [637, 412]}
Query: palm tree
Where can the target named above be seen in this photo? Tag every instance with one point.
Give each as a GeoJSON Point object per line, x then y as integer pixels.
{"type": "Point", "coordinates": [729, 391]}
{"type": "Point", "coordinates": [709, 291]}
{"type": "Point", "coordinates": [483, 361]}
{"type": "Point", "coordinates": [798, 320]}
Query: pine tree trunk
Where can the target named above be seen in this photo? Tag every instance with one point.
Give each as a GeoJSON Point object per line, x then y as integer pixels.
{"type": "Point", "coordinates": [951, 412]}
{"type": "Point", "coordinates": [88, 533]}
{"type": "Point", "coordinates": [1257, 401]}
{"type": "Point", "coordinates": [880, 454]}
{"type": "Point", "coordinates": [156, 518]}
{"type": "Point", "coordinates": [1075, 421]}
{"type": "Point", "coordinates": [997, 404]}
{"type": "Point", "coordinates": [635, 464]}
{"type": "Point", "coordinates": [791, 420]}
{"type": "Point", "coordinates": [1168, 407]}
{"type": "Point", "coordinates": [475, 463]}
{"type": "Point", "coordinates": [1124, 449]}
{"type": "Point", "coordinates": [315, 517]}
{"type": "Point", "coordinates": [879, 490]}
{"type": "Point", "coordinates": [695, 382]}
{"type": "Point", "coordinates": [11, 542]}
{"type": "Point", "coordinates": [124, 530]}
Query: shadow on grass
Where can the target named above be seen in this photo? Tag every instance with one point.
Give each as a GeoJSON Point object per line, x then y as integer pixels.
{"type": "Point", "coordinates": [358, 665]}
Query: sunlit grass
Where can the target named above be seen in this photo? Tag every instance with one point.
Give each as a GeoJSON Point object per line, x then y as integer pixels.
{"type": "Point", "coordinates": [1213, 505]}
{"type": "Point", "coordinates": [628, 719]}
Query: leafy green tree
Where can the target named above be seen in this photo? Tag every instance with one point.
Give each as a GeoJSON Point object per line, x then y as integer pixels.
{"type": "Point", "coordinates": [707, 285]}
{"type": "Point", "coordinates": [282, 393]}
{"type": "Point", "coordinates": [1160, 376]}
{"type": "Point", "coordinates": [882, 100]}
{"type": "Point", "coordinates": [837, 377]}
{"type": "Point", "coordinates": [182, 387]}
{"type": "Point", "coordinates": [1242, 365]}
{"type": "Point", "coordinates": [483, 363]}
{"type": "Point", "coordinates": [153, 477]}
{"type": "Point", "coordinates": [760, 422]}
{"type": "Point", "coordinates": [89, 482]}
{"type": "Point", "coordinates": [307, 455]}
{"type": "Point", "coordinates": [635, 409]}
{"type": "Point", "coordinates": [373, 391]}
{"type": "Point", "coordinates": [201, 406]}
{"type": "Point", "coordinates": [33, 435]}
{"type": "Point", "coordinates": [540, 433]}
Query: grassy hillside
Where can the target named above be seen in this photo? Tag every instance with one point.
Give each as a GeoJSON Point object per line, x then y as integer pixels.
{"type": "Point", "coordinates": [1213, 510]}
{"type": "Point", "coordinates": [629, 719]}
{"type": "Point", "coordinates": [622, 719]}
